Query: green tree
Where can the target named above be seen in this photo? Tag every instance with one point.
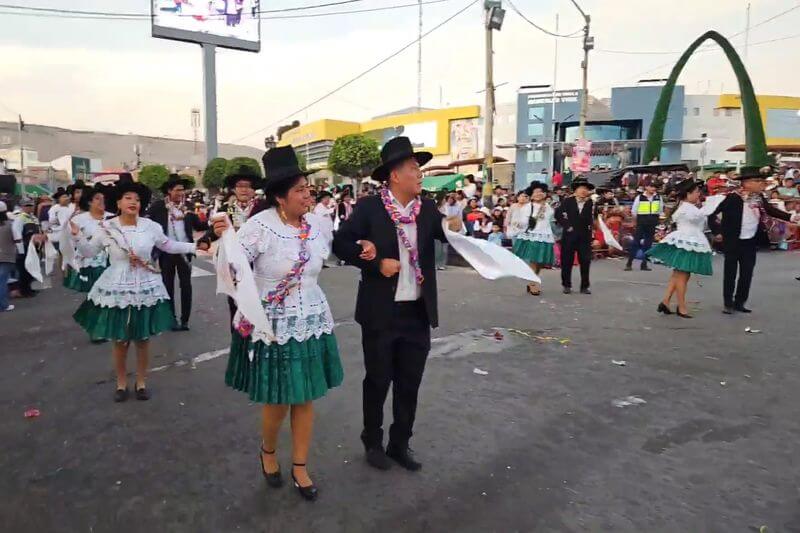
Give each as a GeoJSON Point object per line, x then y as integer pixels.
{"type": "Point", "coordinates": [354, 156]}
{"type": "Point", "coordinates": [301, 161]}
{"type": "Point", "coordinates": [154, 176]}
{"type": "Point", "coordinates": [214, 175]}
{"type": "Point", "coordinates": [234, 164]}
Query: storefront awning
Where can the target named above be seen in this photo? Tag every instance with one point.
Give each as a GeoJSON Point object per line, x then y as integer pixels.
{"type": "Point", "coordinates": [449, 182]}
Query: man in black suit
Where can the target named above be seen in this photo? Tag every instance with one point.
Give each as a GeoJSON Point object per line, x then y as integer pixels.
{"type": "Point", "coordinates": [397, 301]}
{"type": "Point", "coordinates": [743, 232]}
{"type": "Point", "coordinates": [574, 214]}
{"type": "Point", "coordinates": [178, 224]}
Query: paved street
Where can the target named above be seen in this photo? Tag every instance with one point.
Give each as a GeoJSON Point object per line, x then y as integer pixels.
{"type": "Point", "coordinates": [698, 431]}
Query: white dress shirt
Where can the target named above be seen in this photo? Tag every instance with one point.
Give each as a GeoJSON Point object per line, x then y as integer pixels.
{"type": "Point", "coordinates": [176, 230]}
{"type": "Point", "coordinates": [750, 219]}
{"type": "Point", "coordinates": [59, 215]}
{"type": "Point", "coordinates": [407, 288]}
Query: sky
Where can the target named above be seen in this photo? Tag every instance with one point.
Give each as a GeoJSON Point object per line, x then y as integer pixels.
{"type": "Point", "coordinates": [112, 75]}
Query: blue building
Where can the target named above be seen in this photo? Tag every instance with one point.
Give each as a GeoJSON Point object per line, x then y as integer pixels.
{"type": "Point", "coordinates": [545, 132]}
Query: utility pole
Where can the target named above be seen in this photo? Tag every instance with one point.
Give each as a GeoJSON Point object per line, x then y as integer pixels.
{"type": "Point", "coordinates": [419, 59]}
{"type": "Point", "coordinates": [746, 34]}
{"type": "Point", "coordinates": [550, 164]}
{"type": "Point", "coordinates": [588, 44]}
{"type": "Point", "coordinates": [210, 99]}
{"type": "Point", "coordinates": [21, 126]}
{"type": "Point", "coordinates": [494, 21]}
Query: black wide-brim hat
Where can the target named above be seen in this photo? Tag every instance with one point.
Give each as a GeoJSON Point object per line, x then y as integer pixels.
{"type": "Point", "coordinates": [59, 193]}
{"type": "Point", "coordinates": [395, 152]}
{"type": "Point", "coordinates": [280, 163]}
{"type": "Point", "coordinates": [687, 185]}
{"type": "Point", "coordinates": [89, 193]}
{"type": "Point", "coordinates": [174, 180]}
{"type": "Point", "coordinates": [751, 173]}
{"type": "Point", "coordinates": [244, 173]}
{"type": "Point", "coordinates": [581, 182]}
{"type": "Point", "coordinates": [537, 185]}
{"type": "Point", "coordinates": [131, 186]}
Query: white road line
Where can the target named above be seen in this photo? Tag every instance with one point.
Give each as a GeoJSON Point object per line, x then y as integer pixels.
{"type": "Point", "coordinates": [206, 356]}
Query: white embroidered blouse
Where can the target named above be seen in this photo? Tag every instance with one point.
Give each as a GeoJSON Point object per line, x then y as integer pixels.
{"type": "Point", "coordinates": [690, 221]}
{"type": "Point", "coordinates": [123, 285]}
{"type": "Point", "coordinates": [87, 225]}
{"type": "Point", "coordinates": [520, 219]}
{"type": "Point", "coordinates": [273, 247]}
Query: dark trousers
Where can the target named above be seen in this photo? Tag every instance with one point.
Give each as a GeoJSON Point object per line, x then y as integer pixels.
{"type": "Point", "coordinates": [568, 248]}
{"type": "Point", "coordinates": [170, 265]}
{"type": "Point", "coordinates": [642, 240]}
{"type": "Point", "coordinates": [743, 260]}
{"type": "Point", "coordinates": [24, 279]}
{"type": "Point", "coordinates": [395, 356]}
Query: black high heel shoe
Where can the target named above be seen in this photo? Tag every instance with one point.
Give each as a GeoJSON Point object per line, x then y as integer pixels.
{"type": "Point", "coordinates": [682, 315]}
{"type": "Point", "coordinates": [310, 492]}
{"type": "Point", "coordinates": [275, 479]}
{"type": "Point", "coordinates": [664, 309]}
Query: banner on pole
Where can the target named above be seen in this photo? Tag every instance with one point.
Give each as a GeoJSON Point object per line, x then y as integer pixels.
{"type": "Point", "coordinates": [581, 156]}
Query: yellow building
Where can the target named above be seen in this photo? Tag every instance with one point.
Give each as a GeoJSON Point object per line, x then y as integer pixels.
{"type": "Point", "coordinates": [780, 115]}
{"type": "Point", "coordinates": [449, 134]}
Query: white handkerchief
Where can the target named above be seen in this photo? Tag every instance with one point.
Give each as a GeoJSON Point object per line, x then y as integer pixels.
{"type": "Point", "coordinates": [607, 235]}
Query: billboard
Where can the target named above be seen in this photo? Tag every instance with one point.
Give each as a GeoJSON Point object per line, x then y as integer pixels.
{"type": "Point", "coordinates": [226, 23]}
{"type": "Point", "coordinates": [581, 156]}
{"type": "Point", "coordinates": [464, 139]}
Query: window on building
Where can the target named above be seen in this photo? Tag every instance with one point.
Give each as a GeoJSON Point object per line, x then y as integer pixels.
{"type": "Point", "coordinates": [729, 112]}
{"type": "Point", "coordinates": [535, 129]}
{"type": "Point", "coordinates": [696, 111]}
{"type": "Point", "coordinates": [536, 113]}
{"type": "Point", "coordinates": [716, 111]}
{"type": "Point", "coordinates": [535, 156]}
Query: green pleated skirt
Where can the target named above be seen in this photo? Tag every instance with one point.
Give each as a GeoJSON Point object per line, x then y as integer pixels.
{"type": "Point", "coordinates": [537, 252]}
{"type": "Point", "coordinates": [83, 280]}
{"type": "Point", "coordinates": [285, 374]}
{"type": "Point", "coordinates": [124, 323]}
{"type": "Point", "coordinates": [680, 259]}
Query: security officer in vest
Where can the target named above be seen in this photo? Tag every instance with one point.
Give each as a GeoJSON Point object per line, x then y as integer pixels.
{"type": "Point", "coordinates": [647, 210]}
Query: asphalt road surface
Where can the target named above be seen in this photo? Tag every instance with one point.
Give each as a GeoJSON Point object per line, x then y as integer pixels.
{"type": "Point", "coordinates": [697, 432]}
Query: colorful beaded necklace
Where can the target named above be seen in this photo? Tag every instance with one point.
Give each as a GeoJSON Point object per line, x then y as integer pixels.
{"type": "Point", "coordinates": [278, 295]}
{"type": "Point", "coordinates": [398, 219]}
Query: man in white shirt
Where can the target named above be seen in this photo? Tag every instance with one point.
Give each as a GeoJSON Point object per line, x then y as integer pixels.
{"type": "Point", "coordinates": [59, 214]}
{"type": "Point", "coordinates": [325, 207]}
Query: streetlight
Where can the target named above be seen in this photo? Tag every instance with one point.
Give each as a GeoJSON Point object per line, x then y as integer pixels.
{"type": "Point", "coordinates": [588, 44]}
{"type": "Point", "coordinates": [493, 21]}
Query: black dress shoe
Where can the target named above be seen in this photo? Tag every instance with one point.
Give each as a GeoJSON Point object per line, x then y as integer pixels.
{"type": "Point", "coordinates": [742, 309]}
{"type": "Point", "coordinates": [274, 479]}
{"type": "Point", "coordinates": [664, 309]}
{"type": "Point", "coordinates": [309, 492]}
{"type": "Point", "coordinates": [628, 268]}
{"type": "Point", "coordinates": [376, 458]}
{"type": "Point", "coordinates": [567, 290]}
{"type": "Point", "coordinates": [586, 291]}
{"type": "Point", "coordinates": [404, 457]}
{"type": "Point", "coordinates": [142, 394]}
{"type": "Point", "coordinates": [683, 315]}
{"type": "Point", "coordinates": [728, 310]}
{"type": "Point", "coordinates": [646, 268]}
{"type": "Point", "coordinates": [120, 395]}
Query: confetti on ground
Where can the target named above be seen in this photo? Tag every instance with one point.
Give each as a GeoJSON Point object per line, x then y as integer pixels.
{"type": "Point", "coordinates": [498, 335]}
{"type": "Point", "coordinates": [618, 363]}
{"type": "Point", "coordinates": [480, 372]}
{"type": "Point", "coordinates": [32, 413]}
{"type": "Point", "coordinates": [748, 329]}
{"type": "Point", "coordinates": [628, 400]}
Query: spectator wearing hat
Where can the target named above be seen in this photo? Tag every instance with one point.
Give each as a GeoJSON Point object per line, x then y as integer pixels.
{"type": "Point", "coordinates": [59, 214]}
{"type": "Point", "coordinates": [743, 231]}
{"type": "Point", "coordinates": [179, 224]}
{"type": "Point", "coordinates": [575, 215]}
{"type": "Point", "coordinates": [389, 237]}
{"type": "Point", "coordinates": [533, 233]}
{"type": "Point", "coordinates": [647, 210]}
{"type": "Point", "coordinates": [25, 228]}
{"type": "Point", "coordinates": [84, 224]}
{"type": "Point", "coordinates": [287, 246]}
{"type": "Point", "coordinates": [8, 256]}
{"type": "Point", "coordinates": [325, 207]}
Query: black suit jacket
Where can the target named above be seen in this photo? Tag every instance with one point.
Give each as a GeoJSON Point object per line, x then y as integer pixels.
{"type": "Point", "coordinates": [577, 226]}
{"type": "Point", "coordinates": [370, 221]}
{"type": "Point", "coordinates": [191, 222]}
{"type": "Point", "coordinates": [731, 210]}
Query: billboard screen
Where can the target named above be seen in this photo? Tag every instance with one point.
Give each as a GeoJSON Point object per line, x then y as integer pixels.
{"type": "Point", "coordinates": [227, 23]}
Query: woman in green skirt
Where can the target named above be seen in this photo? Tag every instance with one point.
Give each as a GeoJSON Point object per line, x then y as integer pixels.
{"type": "Point", "coordinates": [531, 227]}
{"type": "Point", "coordinates": [92, 213]}
{"type": "Point", "coordinates": [286, 246]}
{"type": "Point", "coordinates": [128, 303]}
{"type": "Point", "coordinates": [686, 249]}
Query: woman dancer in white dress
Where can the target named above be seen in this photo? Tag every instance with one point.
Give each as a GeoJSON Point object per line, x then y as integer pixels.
{"type": "Point", "coordinates": [129, 301]}
{"type": "Point", "coordinates": [531, 227]}
{"type": "Point", "coordinates": [686, 249]}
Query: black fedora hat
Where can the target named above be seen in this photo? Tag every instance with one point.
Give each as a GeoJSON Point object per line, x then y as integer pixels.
{"type": "Point", "coordinates": [537, 185]}
{"type": "Point", "coordinates": [280, 163]}
{"type": "Point", "coordinates": [59, 193]}
{"type": "Point", "coordinates": [244, 173]}
{"type": "Point", "coordinates": [687, 185]}
{"type": "Point", "coordinates": [581, 182]}
{"type": "Point", "coordinates": [125, 186]}
{"type": "Point", "coordinates": [396, 151]}
{"type": "Point", "coordinates": [173, 181]}
{"type": "Point", "coordinates": [89, 192]}
{"type": "Point", "coordinates": [751, 173]}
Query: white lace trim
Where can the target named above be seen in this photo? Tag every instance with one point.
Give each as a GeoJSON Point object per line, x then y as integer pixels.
{"type": "Point", "coordinates": [536, 236]}
{"type": "Point", "coordinates": [121, 289]}
{"type": "Point", "coordinates": [302, 328]}
{"type": "Point", "coordinates": [687, 242]}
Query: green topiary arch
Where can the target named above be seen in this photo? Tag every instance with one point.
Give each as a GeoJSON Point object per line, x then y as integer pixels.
{"type": "Point", "coordinates": [755, 142]}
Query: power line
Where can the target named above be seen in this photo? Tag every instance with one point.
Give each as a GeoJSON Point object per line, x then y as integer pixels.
{"type": "Point", "coordinates": [148, 15]}
{"type": "Point", "coordinates": [306, 15]}
{"type": "Point", "coordinates": [636, 52]}
{"type": "Point", "coordinates": [358, 76]}
{"type": "Point", "coordinates": [572, 35]}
